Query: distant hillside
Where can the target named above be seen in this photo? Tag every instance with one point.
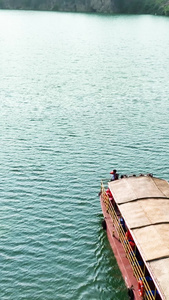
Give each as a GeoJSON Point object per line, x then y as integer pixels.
{"type": "Point", "coordinates": [160, 7]}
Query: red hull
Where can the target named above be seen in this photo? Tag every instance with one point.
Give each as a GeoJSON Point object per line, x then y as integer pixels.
{"type": "Point", "coordinates": [119, 253]}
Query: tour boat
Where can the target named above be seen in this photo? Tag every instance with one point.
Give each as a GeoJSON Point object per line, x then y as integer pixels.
{"type": "Point", "coordinates": [136, 219]}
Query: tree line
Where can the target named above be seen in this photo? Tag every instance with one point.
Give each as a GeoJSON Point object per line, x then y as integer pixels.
{"type": "Point", "coordinates": [159, 7]}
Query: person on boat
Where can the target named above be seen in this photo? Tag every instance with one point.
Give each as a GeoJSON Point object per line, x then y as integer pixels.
{"type": "Point", "coordinates": [129, 236]}
{"type": "Point", "coordinates": [108, 192]}
{"type": "Point", "coordinates": [122, 222]}
{"type": "Point", "coordinates": [132, 244]}
{"type": "Point", "coordinates": [131, 241]}
{"type": "Point", "coordinates": [114, 174]}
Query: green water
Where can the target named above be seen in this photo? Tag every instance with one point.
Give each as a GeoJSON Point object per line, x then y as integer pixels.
{"type": "Point", "coordinates": [80, 94]}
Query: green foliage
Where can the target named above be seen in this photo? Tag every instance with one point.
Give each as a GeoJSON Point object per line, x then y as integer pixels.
{"type": "Point", "coordinates": [157, 6]}
{"type": "Point", "coordinates": [149, 6]}
{"type": "Point", "coordinates": [135, 6]}
{"type": "Point", "coordinates": [36, 4]}
{"type": "Point", "coordinates": [26, 3]}
{"type": "Point", "coordinates": [55, 8]}
{"type": "Point", "coordinates": [166, 9]}
{"type": "Point", "coordinates": [1, 4]}
{"type": "Point", "coordinates": [160, 7]}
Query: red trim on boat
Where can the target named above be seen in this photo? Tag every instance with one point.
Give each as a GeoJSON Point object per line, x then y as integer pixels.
{"type": "Point", "coordinates": [119, 253]}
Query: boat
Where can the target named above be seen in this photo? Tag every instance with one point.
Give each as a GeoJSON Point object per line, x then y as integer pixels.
{"type": "Point", "coordinates": [136, 219]}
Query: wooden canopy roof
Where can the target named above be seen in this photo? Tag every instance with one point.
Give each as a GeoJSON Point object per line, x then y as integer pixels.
{"type": "Point", "coordinates": [144, 204]}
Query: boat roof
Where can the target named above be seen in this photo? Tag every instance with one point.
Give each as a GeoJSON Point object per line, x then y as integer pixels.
{"type": "Point", "coordinates": [144, 204]}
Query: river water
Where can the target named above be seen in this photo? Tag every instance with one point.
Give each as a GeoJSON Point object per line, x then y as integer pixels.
{"type": "Point", "coordinates": [80, 95]}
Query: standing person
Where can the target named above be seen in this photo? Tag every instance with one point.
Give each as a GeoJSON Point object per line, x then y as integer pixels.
{"type": "Point", "coordinates": [114, 174]}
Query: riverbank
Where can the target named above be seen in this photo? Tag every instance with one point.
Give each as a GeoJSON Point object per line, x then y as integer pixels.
{"type": "Point", "coordinates": [158, 7]}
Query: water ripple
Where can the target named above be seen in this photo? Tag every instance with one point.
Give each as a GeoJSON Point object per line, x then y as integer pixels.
{"type": "Point", "coordinates": [73, 106]}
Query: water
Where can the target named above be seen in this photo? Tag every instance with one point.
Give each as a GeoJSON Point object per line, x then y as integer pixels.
{"type": "Point", "coordinates": [80, 94]}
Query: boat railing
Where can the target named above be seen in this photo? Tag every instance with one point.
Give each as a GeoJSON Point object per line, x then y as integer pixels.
{"type": "Point", "coordinates": [130, 253]}
{"type": "Point", "coordinates": [104, 181]}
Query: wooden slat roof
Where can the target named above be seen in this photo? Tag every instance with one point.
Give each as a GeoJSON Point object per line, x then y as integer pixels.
{"type": "Point", "coordinates": [144, 204]}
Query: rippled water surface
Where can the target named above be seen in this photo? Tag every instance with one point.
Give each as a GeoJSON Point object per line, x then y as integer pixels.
{"type": "Point", "coordinates": [80, 94]}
